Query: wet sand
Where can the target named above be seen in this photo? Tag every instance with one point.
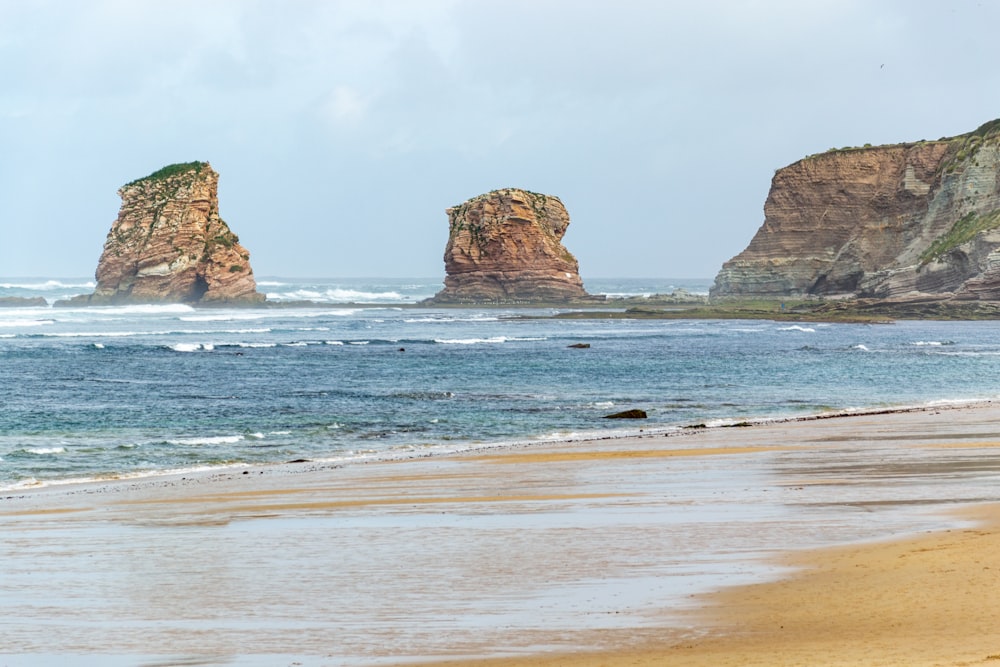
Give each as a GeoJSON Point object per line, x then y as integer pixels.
{"type": "Point", "coordinates": [713, 547]}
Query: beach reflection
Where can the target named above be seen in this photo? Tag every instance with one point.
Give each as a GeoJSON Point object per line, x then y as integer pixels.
{"type": "Point", "coordinates": [557, 548]}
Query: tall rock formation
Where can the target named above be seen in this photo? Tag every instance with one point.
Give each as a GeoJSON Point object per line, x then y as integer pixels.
{"type": "Point", "coordinates": [889, 222]}
{"type": "Point", "coordinates": [505, 246]}
{"type": "Point", "coordinates": [170, 245]}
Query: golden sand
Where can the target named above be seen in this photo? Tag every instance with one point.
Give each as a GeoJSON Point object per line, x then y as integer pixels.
{"type": "Point", "coordinates": [349, 559]}
{"type": "Point", "coordinates": [930, 600]}
{"type": "Point", "coordinates": [597, 455]}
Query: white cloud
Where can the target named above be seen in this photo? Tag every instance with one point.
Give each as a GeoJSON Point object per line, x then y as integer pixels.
{"type": "Point", "coordinates": [634, 112]}
{"type": "Point", "coordinates": [345, 106]}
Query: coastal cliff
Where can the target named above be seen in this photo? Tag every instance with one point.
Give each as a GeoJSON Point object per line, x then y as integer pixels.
{"type": "Point", "coordinates": [506, 247]}
{"type": "Point", "coordinates": [169, 245]}
{"type": "Point", "coordinates": [901, 221]}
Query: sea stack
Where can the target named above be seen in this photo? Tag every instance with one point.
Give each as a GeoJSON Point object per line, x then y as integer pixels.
{"type": "Point", "coordinates": [506, 247]}
{"type": "Point", "coordinates": [907, 221]}
{"type": "Point", "coordinates": [169, 245]}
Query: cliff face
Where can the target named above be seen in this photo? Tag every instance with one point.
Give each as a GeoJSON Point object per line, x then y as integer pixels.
{"type": "Point", "coordinates": [881, 222]}
{"type": "Point", "coordinates": [170, 245]}
{"type": "Point", "coordinates": [506, 246]}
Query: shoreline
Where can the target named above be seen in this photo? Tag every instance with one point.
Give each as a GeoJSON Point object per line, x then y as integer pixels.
{"type": "Point", "coordinates": [605, 548]}
{"type": "Point", "coordinates": [439, 451]}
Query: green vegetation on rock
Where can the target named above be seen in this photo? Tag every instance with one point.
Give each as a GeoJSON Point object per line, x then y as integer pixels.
{"type": "Point", "coordinates": [967, 228]}
{"type": "Point", "coordinates": [171, 170]}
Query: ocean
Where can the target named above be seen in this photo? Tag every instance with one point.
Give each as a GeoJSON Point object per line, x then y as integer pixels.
{"type": "Point", "coordinates": [113, 392]}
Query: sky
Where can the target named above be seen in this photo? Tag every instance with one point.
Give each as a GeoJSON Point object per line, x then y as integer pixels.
{"type": "Point", "coordinates": [343, 129]}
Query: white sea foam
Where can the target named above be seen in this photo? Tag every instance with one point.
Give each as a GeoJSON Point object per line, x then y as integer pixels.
{"type": "Point", "coordinates": [559, 436]}
{"type": "Point", "coordinates": [439, 319]}
{"type": "Point", "coordinates": [336, 295]}
{"type": "Point", "coordinates": [25, 323]}
{"type": "Point", "coordinates": [99, 346]}
{"type": "Point", "coordinates": [210, 440]}
{"type": "Point", "coordinates": [797, 327]}
{"type": "Point", "coordinates": [932, 343]}
{"type": "Point", "coordinates": [192, 347]}
{"type": "Point", "coordinates": [94, 334]}
{"type": "Point", "coordinates": [145, 309]}
{"type": "Point", "coordinates": [490, 340]}
{"type": "Point", "coordinates": [265, 314]}
{"type": "Point", "coordinates": [48, 285]}
{"type": "Point", "coordinates": [334, 342]}
{"type": "Point", "coordinates": [223, 317]}
{"type": "Point", "coordinates": [861, 346]}
{"type": "Point", "coordinates": [46, 450]}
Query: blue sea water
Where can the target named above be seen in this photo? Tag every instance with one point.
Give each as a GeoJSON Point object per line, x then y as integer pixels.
{"type": "Point", "coordinates": [134, 390]}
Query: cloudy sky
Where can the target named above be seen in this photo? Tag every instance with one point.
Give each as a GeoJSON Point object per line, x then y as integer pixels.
{"type": "Point", "coordinates": [343, 129]}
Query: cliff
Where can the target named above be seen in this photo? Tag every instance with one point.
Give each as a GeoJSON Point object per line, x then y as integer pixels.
{"type": "Point", "coordinates": [506, 246]}
{"type": "Point", "coordinates": [886, 222]}
{"type": "Point", "coordinates": [170, 245]}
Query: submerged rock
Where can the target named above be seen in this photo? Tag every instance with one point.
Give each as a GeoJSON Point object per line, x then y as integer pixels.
{"type": "Point", "coordinates": [23, 302]}
{"type": "Point", "coordinates": [170, 245]}
{"type": "Point", "coordinates": [505, 247]}
{"type": "Point", "coordinates": [628, 414]}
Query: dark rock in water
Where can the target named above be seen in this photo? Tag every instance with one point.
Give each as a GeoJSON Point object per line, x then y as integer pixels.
{"type": "Point", "coordinates": [628, 414]}
{"type": "Point", "coordinates": [580, 346]}
{"type": "Point", "coordinates": [22, 302]}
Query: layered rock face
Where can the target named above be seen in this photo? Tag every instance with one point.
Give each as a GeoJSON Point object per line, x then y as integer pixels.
{"type": "Point", "coordinates": [900, 221]}
{"type": "Point", "coordinates": [506, 246]}
{"type": "Point", "coordinates": [170, 245]}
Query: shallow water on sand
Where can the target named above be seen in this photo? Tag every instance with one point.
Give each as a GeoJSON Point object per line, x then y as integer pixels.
{"type": "Point", "coordinates": [472, 555]}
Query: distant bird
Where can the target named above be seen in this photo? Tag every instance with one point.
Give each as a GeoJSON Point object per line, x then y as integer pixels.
{"type": "Point", "coordinates": [881, 66]}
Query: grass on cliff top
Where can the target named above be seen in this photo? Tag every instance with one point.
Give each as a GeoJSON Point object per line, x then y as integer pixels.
{"type": "Point", "coordinates": [171, 170]}
{"type": "Point", "coordinates": [987, 130]}
{"type": "Point", "coordinates": [967, 228]}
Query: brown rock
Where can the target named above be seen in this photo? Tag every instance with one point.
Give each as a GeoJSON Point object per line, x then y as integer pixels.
{"type": "Point", "coordinates": [170, 245]}
{"type": "Point", "coordinates": [505, 246]}
{"type": "Point", "coordinates": [628, 414]}
{"type": "Point", "coordinates": [880, 222]}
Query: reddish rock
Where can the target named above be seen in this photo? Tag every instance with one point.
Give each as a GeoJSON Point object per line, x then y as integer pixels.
{"type": "Point", "coordinates": [170, 245]}
{"type": "Point", "coordinates": [505, 247]}
{"type": "Point", "coordinates": [883, 222]}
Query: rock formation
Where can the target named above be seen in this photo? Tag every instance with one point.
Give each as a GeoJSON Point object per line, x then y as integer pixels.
{"type": "Point", "coordinates": [170, 245]}
{"type": "Point", "coordinates": [23, 302]}
{"type": "Point", "coordinates": [887, 222]}
{"type": "Point", "coordinates": [505, 247]}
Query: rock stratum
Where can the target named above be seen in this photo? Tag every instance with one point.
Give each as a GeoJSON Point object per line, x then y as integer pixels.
{"type": "Point", "coordinates": [506, 247]}
{"type": "Point", "coordinates": [169, 245]}
{"type": "Point", "coordinates": [893, 222]}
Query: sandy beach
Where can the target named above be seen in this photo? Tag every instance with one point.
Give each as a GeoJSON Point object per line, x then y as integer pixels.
{"type": "Point", "coordinates": [868, 539]}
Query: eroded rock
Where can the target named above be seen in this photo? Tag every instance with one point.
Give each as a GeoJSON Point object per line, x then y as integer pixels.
{"type": "Point", "coordinates": [883, 222]}
{"type": "Point", "coordinates": [506, 247]}
{"type": "Point", "coordinates": [169, 245]}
